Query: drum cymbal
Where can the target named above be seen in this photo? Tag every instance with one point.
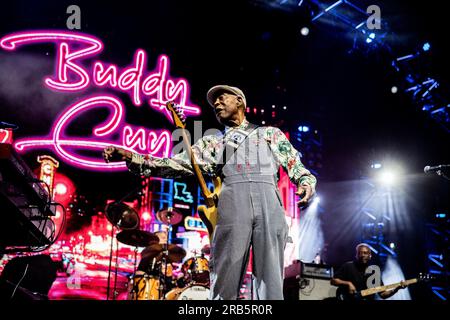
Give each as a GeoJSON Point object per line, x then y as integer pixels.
{"type": "Point", "coordinates": [175, 253]}
{"type": "Point", "coordinates": [169, 216]}
{"type": "Point", "coordinates": [137, 238]}
{"type": "Point", "coordinates": [122, 216]}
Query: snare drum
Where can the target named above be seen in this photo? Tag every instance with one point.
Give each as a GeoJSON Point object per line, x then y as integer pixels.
{"type": "Point", "coordinates": [143, 287]}
{"type": "Point", "coordinates": [193, 292]}
{"type": "Point", "coordinates": [196, 269]}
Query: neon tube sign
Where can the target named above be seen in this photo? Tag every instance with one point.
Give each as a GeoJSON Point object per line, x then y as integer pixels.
{"type": "Point", "coordinates": [47, 172]}
{"type": "Point", "coordinates": [71, 75]}
{"type": "Point", "coordinates": [6, 136]}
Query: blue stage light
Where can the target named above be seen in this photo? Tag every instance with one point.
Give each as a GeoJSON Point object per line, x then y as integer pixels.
{"type": "Point", "coordinates": [426, 46]}
{"type": "Point", "coordinates": [303, 128]}
{"type": "Point", "coordinates": [370, 37]}
{"type": "Point", "coordinates": [376, 165]}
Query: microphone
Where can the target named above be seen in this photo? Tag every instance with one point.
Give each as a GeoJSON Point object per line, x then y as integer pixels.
{"type": "Point", "coordinates": [428, 169]}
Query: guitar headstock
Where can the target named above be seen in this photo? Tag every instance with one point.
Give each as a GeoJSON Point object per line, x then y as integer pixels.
{"type": "Point", "coordinates": [177, 113]}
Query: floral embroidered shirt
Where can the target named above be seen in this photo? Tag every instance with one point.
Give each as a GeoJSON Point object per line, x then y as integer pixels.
{"type": "Point", "coordinates": [208, 152]}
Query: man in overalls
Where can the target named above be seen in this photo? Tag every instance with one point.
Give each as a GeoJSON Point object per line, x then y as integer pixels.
{"type": "Point", "coordinates": [250, 210]}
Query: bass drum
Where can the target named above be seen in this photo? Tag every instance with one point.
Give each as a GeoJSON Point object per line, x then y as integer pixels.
{"type": "Point", "coordinates": [194, 292]}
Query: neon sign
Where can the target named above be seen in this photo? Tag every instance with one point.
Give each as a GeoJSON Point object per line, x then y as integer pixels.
{"type": "Point", "coordinates": [6, 136]}
{"type": "Point", "coordinates": [191, 223]}
{"type": "Point", "coordinates": [71, 75]}
{"type": "Point", "coordinates": [181, 192]}
{"type": "Point", "coordinates": [47, 172]}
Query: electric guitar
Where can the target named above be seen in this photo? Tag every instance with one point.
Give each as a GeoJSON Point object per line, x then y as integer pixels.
{"type": "Point", "coordinates": [207, 212]}
{"type": "Point", "coordinates": [342, 293]}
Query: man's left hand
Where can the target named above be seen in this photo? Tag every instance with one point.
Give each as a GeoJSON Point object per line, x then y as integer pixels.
{"type": "Point", "coordinates": [305, 192]}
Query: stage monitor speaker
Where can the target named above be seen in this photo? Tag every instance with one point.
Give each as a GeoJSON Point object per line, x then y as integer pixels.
{"type": "Point", "coordinates": [316, 289]}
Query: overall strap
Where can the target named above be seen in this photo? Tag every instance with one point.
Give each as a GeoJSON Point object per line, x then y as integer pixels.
{"type": "Point", "coordinates": [232, 144]}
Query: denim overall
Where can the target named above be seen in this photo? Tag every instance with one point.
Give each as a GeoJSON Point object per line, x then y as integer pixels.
{"type": "Point", "coordinates": [250, 214]}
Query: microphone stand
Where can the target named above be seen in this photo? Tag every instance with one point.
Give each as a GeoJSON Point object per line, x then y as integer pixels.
{"type": "Point", "coordinates": [110, 262]}
{"type": "Point", "coordinates": [115, 274]}
{"type": "Point", "coordinates": [117, 248]}
{"type": "Point", "coordinates": [163, 284]}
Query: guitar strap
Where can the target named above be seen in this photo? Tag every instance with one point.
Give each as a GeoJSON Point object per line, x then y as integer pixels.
{"type": "Point", "coordinates": [233, 141]}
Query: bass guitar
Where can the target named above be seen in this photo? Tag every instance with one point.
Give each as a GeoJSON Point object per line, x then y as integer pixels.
{"type": "Point", "coordinates": [342, 293]}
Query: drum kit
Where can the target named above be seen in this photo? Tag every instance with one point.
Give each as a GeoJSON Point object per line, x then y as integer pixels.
{"type": "Point", "coordinates": [154, 279]}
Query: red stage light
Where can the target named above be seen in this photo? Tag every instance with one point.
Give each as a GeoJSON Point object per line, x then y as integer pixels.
{"type": "Point", "coordinates": [146, 216]}
{"type": "Point", "coordinates": [61, 189]}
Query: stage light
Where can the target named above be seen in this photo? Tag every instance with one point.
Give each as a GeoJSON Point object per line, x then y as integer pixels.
{"type": "Point", "coordinates": [388, 177]}
{"type": "Point", "coordinates": [310, 237]}
{"type": "Point", "coordinates": [394, 89]}
{"type": "Point", "coordinates": [441, 215]}
{"type": "Point", "coordinates": [393, 273]}
{"type": "Point", "coordinates": [303, 128]}
{"type": "Point", "coordinates": [263, 122]}
{"type": "Point", "coordinates": [426, 46]}
{"type": "Point", "coordinates": [376, 165]}
{"type": "Point", "coordinates": [427, 107]}
{"type": "Point", "coordinates": [392, 245]}
{"type": "Point", "coordinates": [304, 31]}
{"type": "Point", "coordinates": [146, 216]}
{"type": "Point", "coordinates": [273, 106]}
{"type": "Point", "coordinates": [61, 189]}
{"type": "Point", "coordinates": [370, 37]}
{"type": "Point", "coordinates": [284, 108]}
{"type": "Point", "coordinates": [390, 174]}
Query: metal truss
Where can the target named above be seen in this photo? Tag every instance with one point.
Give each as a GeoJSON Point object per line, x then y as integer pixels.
{"type": "Point", "coordinates": [344, 15]}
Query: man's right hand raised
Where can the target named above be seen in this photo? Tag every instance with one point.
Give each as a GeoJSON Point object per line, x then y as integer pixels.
{"type": "Point", "coordinates": [114, 154]}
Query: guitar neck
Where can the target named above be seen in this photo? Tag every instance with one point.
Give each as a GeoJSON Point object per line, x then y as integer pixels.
{"type": "Point", "coordinates": [368, 292]}
{"type": "Point", "coordinates": [195, 166]}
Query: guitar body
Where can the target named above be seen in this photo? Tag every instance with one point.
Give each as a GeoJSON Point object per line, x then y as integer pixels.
{"type": "Point", "coordinates": [342, 294]}
{"type": "Point", "coordinates": [208, 213]}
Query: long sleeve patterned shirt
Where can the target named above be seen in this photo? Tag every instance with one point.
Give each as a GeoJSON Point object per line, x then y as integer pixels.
{"type": "Point", "coordinates": [208, 152]}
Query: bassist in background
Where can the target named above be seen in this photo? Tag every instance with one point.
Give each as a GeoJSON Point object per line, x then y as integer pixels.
{"type": "Point", "coordinates": [249, 207]}
{"type": "Point", "coordinates": [352, 277]}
